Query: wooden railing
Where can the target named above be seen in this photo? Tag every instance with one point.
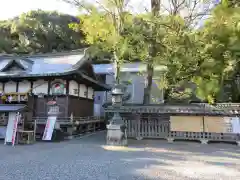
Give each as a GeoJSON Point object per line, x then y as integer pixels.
{"type": "Point", "coordinates": [159, 127]}
{"type": "Point", "coordinates": [69, 120]}
{"type": "Point", "coordinates": [61, 120]}
{"type": "Point", "coordinates": [147, 126]}
{"type": "Point", "coordinates": [204, 137]}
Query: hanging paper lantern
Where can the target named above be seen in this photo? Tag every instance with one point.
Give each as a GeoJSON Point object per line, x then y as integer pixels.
{"type": "Point", "coordinates": [57, 86]}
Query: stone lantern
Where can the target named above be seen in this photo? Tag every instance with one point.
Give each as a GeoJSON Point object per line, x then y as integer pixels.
{"type": "Point", "coordinates": [117, 94]}
{"type": "Point", "coordinates": [116, 130]}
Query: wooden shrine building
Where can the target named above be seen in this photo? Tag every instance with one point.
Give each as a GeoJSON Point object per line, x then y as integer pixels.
{"type": "Point", "coordinates": [34, 80]}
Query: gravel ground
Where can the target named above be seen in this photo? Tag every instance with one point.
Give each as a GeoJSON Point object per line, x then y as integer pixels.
{"type": "Point", "coordinates": [88, 159]}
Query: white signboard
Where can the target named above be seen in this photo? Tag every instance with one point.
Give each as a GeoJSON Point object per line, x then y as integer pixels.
{"type": "Point", "coordinates": [12, 126]}
{"type": "Point", "coordinates": [47, 135]}
{"type": "Point", "coordinates": [235, 121]}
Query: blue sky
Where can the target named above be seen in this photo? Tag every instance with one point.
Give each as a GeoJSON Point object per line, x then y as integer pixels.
{"type": "Point", "coordinates": [12, 8]}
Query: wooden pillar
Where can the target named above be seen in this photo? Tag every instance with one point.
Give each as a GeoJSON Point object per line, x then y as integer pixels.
{"type": "Point", "coordinates": [78, 90]}
{"type": "Point", "coordinates": [17, 86]}
{"type": "Point", "coordinates": [67, 87]}
{"type": "Point", "coordinates": [87, 92]}
{"type": "Point", "coordinates": [31, 86]}
{"type": "Point", "coordinates": [3, 86]}
{"type": "Point", "coordinates": [138, 127]}
{"type": "Point", "coordinates": [49, 87]}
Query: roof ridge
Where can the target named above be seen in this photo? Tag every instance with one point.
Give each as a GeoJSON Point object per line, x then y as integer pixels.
{"type": "Point", "coordinates": [56, 54]}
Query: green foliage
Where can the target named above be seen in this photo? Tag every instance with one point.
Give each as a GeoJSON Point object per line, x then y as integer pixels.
{"type": "Point", "coordinates": [221, 37]}
{"type": "Point", "coordinates": [38, 32]}
{"type": "Point", "coordinates": [207, 56]}
{"type": "Point", "coordinates": [104, 31]}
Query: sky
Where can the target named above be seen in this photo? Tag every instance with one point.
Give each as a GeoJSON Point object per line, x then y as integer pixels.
{"type": "Point", "coordinates": [12, 8]}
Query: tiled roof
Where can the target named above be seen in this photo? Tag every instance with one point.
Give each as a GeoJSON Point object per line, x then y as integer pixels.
{"type": "Point", "coordinates": [50, 64]}
{"type": "Point", "coordinates": [126, 67]}
{"type": "Point", "coordinates": [12, 107]}
{"type": "Point", "coordinates": [196, 109]}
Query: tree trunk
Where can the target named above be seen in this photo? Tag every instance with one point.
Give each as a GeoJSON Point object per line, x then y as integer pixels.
{"type": "Point", "coordinates": [155, 7]}
{"type": "Point", "coordinates": [117, 68]}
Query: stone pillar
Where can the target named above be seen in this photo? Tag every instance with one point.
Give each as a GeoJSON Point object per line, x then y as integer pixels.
{"type": "Point", "coordinates": [238, 143]}
{"type": "Point", "coordinates": [116, 130]}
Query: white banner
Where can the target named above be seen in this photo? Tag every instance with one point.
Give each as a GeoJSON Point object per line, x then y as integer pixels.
{"type": "Point", "coordinates": [47, 135]}
{"type": "Point", "coordinates": [15, 127]}
{"type": "Point", "coordinates": [12, 126]}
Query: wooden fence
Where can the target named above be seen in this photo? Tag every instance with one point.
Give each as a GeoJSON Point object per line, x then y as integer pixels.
{"type": "Point", "coordinates": [147, 127]}
{"type": "Point", "coordinates": [156, 127]}
{"type": "Point", "coordinates": [204, 137]}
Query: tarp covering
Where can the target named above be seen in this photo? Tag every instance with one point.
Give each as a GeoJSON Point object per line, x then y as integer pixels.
{"type": "Point", "coordinates": [12, 107]}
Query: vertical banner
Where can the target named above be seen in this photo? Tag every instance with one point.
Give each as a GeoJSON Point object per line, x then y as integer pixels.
{"type": "Point", "coordinates": [12, 126]}
{"type": "Point", "coordinates": [15, 127]}
{"type": "Point", "coordinates": [48, 131]}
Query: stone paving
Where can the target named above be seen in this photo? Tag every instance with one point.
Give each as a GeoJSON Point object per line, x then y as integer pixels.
{"type": "Point", "coordinates": [88, 159]}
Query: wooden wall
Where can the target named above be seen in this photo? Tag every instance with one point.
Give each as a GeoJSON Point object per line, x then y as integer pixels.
{"type": "Point", "coordinates": [199, 124]}
{"type": "Point", "coordinates": [67, 105]}
{"type": "Point", "coordinates": [186, 123]}
{"type": "Point", "coordinates": [41, 107]}
{"type": "Point", "coordinates": [215, 124]}
{"type": "Point", "coordinates": [80, 106]}
{"type": "Point", "coordinates": [42, 86]}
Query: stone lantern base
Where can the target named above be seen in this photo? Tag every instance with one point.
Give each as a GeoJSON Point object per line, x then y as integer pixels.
{"type": "Point", "coordinates": [116, 135]}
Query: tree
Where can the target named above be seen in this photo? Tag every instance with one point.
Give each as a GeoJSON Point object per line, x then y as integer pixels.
{"type": "Point", "coordinates": [155, 8]}
{"type": "Point", "coordinates": [221, 36]}
{"type": "Point", "coordinates": [192, 56]}
{"type": "Point", "coordinates": [39, 31]}
{"type": "Point", "coordinates": [179, 12]}
{"type": "Point", "coordinates": [104, 29]}
{"type": "Point", "coordinates": [234, 3]}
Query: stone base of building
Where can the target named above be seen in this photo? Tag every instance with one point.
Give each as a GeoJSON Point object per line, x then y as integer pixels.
{"type": "Point", "coordinates": [116, 135]}
{"type": "Point", "coordinates": [238, 143]}
{"type": "Point", "coordinates": [170, 140]}
{"type": "Point", "coordinates": [204, 141]}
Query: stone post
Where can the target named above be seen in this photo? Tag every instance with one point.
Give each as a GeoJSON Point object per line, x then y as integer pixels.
{"type": "Point", "coordinates": [116, 130]}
